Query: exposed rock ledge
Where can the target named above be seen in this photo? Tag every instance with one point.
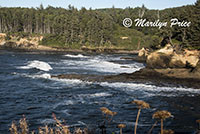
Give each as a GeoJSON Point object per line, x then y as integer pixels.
{"type": "Point", "coordinates": [162, 77]}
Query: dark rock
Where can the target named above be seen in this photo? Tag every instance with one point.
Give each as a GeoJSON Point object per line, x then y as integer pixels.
{"type": "Point", "coordinates": [157, 77]}
{"type": "Point", "coordinates": [158, 61]}
{"type": "Point", "coordinates": [124, 67]}
{"type": "Point", "coordinates": [137, 59]}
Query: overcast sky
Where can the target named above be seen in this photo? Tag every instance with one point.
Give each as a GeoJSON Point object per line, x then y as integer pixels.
{"type": "Point", "coordinates": [151, 4]}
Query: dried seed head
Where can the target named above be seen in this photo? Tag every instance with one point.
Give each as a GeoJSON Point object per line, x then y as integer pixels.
{"type": "Point", "coordinates": [104, 110]}
{"type": "Point", "coordinates": [65, 130]}
{"type": "Point", "coordinates": [107, 111]}
{"type": "Point", "coordinates": [58, 131]}
{"type": "Point", "coordinates": [168, 131]}
{"type": "Point", "coordinates": [40, 131]}
{"type": "Point", "coordinates": [141, 104]}
{"type": "Point", "coordinates": [13, 129]}
{"type": "Point", "coordinates": [114, 113]}
{"type": "Point", "coordinates": [162, 114]}
{"type": "Point", "coordinates": [85, 130]}
{"type": "Point", "coordinates": [46, 129]}
{"type": "Point", "coordinates": [78, 131]}
{"type": "Point", "coordinates": [121, 126]}
{"type": "Point", "coordinates": [23, 125]}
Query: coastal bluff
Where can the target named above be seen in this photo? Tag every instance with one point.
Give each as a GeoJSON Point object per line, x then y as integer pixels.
{"type": "Point", "coordinates": [14, 42]}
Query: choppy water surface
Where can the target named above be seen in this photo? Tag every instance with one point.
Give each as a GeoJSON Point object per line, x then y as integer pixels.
{"type": "Point", "coordinates": [27, 89]}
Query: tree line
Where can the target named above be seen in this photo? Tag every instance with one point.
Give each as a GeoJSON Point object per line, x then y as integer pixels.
{"type": "Point", "coordinates": [98, 27]}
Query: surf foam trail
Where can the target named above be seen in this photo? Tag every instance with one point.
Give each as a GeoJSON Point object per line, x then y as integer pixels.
{"type": "Point", "coordinates": [37, 65]}
{"type": "Point", "coordinates": [75, 56]}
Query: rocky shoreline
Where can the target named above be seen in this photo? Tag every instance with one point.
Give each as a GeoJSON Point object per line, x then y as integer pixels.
{"type": "Point", "coordinates": [164, 67]}
{"type": "Point", "coordinates": [53, 50]}
{"type": "Point", "coordinates": [32, 44]}
{"type": "Point", "coordinates": [148, 76]}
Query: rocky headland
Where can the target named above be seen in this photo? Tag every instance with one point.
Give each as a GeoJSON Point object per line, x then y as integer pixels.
{"type": "Point", "coordinates": [164, 67]}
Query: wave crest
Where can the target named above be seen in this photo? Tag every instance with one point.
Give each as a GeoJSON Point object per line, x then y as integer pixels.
{"type": "Point", "coordinates": [37, 65]}
{"type": "Point", "coordinates": [75, 56]}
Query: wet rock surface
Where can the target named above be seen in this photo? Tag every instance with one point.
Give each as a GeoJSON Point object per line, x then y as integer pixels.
{"type": "Point", "coordinates": [164, 77]}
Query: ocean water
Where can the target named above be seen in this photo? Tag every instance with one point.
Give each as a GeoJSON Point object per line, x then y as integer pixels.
{"type": "Point", "coordinates": [26, 88]}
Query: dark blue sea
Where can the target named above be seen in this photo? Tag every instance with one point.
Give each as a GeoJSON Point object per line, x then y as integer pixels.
{"type": "Point", "coordinates": [26, 88]}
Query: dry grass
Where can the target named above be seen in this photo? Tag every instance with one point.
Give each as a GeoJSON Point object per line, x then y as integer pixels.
{"type": "Point", "coordinates": [22, 126]}
{"type": "Point", "coordinates": [59, 129]}
{"type": "Point", "coordinates": [13, 128]}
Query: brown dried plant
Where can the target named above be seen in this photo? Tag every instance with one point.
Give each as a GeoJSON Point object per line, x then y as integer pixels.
{"type": "Point", "coordinates": [40, 131]}
{"type": "Point", "coordinates": [78, 131]}
{"type": "Point", "coordinates": [108, 112]}
{"type": "Point", "coordinates": [45, 130]}
{"type": "Point", "coordinates": [59, 129]}
{"type": "Point", "coordinates": [63, 128]}
{"type": "Point", "coordinates": [198, 123]}
{"type": "Point", "coordinates": [141, 105]}
{"type": "Point", "coordinates": [121, 126]}
{"type": "Point", "coordinates": [51, 131]}
{"type": "Point", "coordinates": [168, 131]}
{"type": "Point", "coordinates": [162, 115]}
{"type": "Point", "coordinates": [23, 125]}
{"type": "Point", "coordinates": [152, 127]}
{"type": "Point", "coordinates": [13, 128]}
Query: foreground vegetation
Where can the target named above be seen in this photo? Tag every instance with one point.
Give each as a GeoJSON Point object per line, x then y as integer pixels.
{"type": "Point", "coordinates": [60, 128]}
{"type": "Point", "coordinates": [73, 28]}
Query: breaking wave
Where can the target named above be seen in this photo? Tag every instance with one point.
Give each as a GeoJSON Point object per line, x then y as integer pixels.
{"type": "Point", "coordinates": [37, 65]}
{"type": "Point", "coordinates": [76, 56]}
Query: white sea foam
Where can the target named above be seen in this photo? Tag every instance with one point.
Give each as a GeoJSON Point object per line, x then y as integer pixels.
{"type": "Point", "coordinates": [34, 76]}
{"type": "Point", "coordinates": [75, 83]}
{"type": "Point", "coordinates": [156, 90]}
{"type": "Point", "coordinates": [146, 89]}
{"type": "Point", "coordinates": [82, 123]}
{"type": "Point", "coordinates": [47, 121]}
{"type": "Point", "coordinates": [37, 65]}
{"type": "Point", "coordinates": [66, 112]}
{"type": "Point", "coordinates": [66, 102]}
{"type": "Point", "coordinates": [76, 56]}
{"type": "Point", "coordinates": [45, 76]}
{"type": "Point", "coordinates": [101, 65]}
{"type": "Point", "coordinates": [102, 94]}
